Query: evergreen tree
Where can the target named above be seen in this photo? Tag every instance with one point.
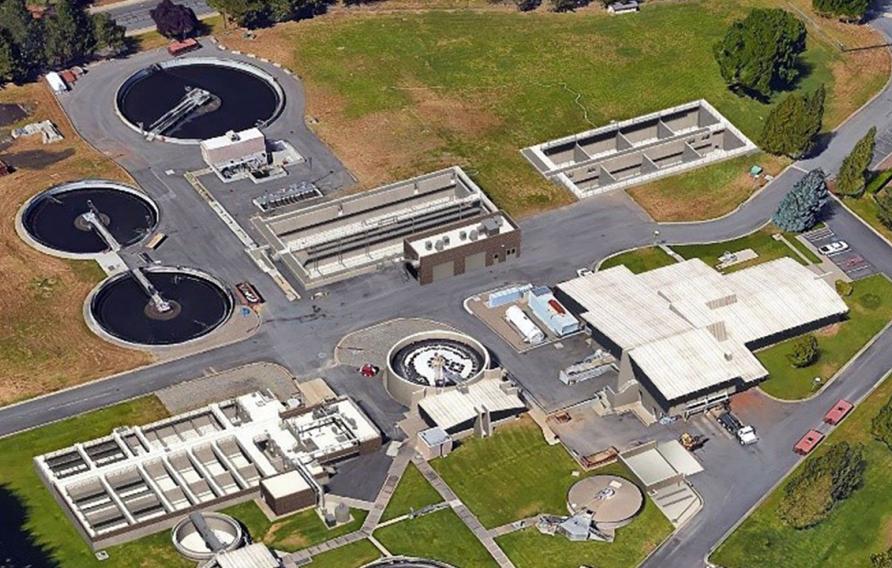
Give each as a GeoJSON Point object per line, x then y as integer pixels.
{"type": "Point", "coordinates": [884, 207]}
{"type": "Point", "coordinates": [24, 35]}
{"type": "Point", "coordinates": [110, 37]}
{"type": "Point", "coordinates": [800, 208]}
{"type": "Point", "coordinates": [760, 53]}
{"type": "Point", "coordinates": [792, 124]}
{"type": "Point", "coordinates": [8, 59]}
{"type": "Point", "coordinates": [852, 174]}
{"type": "Point", "coordinates": [70, 36]}
{"type": "Point", "coordinates": [247, 13]}
{"type": "Point", "coordinates": [848, 10]}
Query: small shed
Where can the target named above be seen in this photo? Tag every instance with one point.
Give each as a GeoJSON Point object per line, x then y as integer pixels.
{"type": "Point", "coordinates": [287, 492]}
{"type": "Point", "coordinates": [55, 82]}
{"type": "Point", "coordinates": [626, 7]}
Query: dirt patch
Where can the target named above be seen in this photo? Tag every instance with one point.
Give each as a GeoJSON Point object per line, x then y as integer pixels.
{"type": "Point", "coordinates": [293, 541]}
{"type": "Point", "coordinates": [829, 331]}
{"type": "Point", "coordinates": [35, 159]}
{"type": "Point", "coordinates": [454, 115]}
{"type": "Point", "coordinates": [44, 343]}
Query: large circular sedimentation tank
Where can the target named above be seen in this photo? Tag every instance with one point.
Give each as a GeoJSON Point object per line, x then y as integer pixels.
{"type": "Point", "coordinates": [405, 562]}
{"type": "Point", "coordinates": [433, 359]}
{"type": "Point", "coordinates": [611, 500]}
{"type": "Point", "coordinates": [190, 543]}
{"type": "Point", "coordinates": [121, 308]}
{"type": "Point", "coordinates": [54, 219]}
{"type": "Point", "coordinates": [241, 96]}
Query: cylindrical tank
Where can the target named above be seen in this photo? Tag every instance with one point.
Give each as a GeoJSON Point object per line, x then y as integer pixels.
{"type": "Point", "coordinates": [528, 330]}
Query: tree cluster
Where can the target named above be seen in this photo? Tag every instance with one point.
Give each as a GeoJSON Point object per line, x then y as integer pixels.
{"type": "Point", "coordinates": [792, 124]}
{"type": "Point", "coordinates": [852, 176]}
{"type": "Point", "coordinates": [846, 10]}
{"type": "Point", "coordinates": [64, 36]}
{"type": "Point", "coordinates": [800, 209]}
{"type": "Point", "coordinates": [760, 53]}
{"type": "Point", "coordinates": [881, 424]}
{"type": "Point", "coordinates": [174, 20]}
{"type": "Point", "coordinates": [884, 207]}
{"type": "Point", "coordinates": [821, 483]}
{"type": "Point", "coordinates": [568, 5]}
{"type": "Point", "coordinates": [881, 559]}
{"type": "Point", "coordinates": [805, 351]}
{"type": "Point", "coordinates": [261, 13]}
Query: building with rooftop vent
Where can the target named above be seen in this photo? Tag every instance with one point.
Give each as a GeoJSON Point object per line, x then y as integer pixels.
{"type": "Point", "coordinates": [684, 333]}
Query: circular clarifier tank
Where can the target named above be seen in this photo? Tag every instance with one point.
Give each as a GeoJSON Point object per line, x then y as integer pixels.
{"type": "Point", "coordinates": [189, 304]}
{"type": "Point", "coordinates": [611, 500]}
{"type": "Point", "coordinates": [55, 218]}
{"type": "Point", "coordinates": [192, 541]}
{"type": "Point", "coordinates": [405, 562]}
{"type": "Point", "coordinates": [224, 95]}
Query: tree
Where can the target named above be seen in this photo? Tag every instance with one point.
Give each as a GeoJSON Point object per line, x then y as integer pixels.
{"type": "Point", "coordinates": [110, 37]}
{"type": "Point", "coordinates": [881, 559]}
{"type": "Point", "coordinates": [847, 10]}
{"type": "Point", "coordinates": [799, 209]}
{"type": "Point", "coordinates": [852, 175]}
{"type": "Point", "coordinates": [567, 5]}
{"type": "Point", "coordinates": [8, 59]}
{"type": "Point", "coordinates": [805, 351]}
{"type": "Point", "coordinates": [174, 20]}
{"type": "Point", "coordinates": [527, 5]}
{"type": "Point", "coordinates": [760, 53]}
{"type": "Point", "coordinates": [69, 35]}
{"type": "Point", "coordinates": [24, 35]}
{"type": "Point", "coordinates": [884, 207]}
{"type": "Point", "coordinates": [821, 483]}
{"type": "Point", "coordinates": [247, 13]}
{"type": "Point", "coordinates": [793, 123]}
{"type": "Point", "coordinates": [881, 425]}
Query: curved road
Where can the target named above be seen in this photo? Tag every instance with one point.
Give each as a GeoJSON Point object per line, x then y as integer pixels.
{"type": "Point", "coordinates": [555, 244]}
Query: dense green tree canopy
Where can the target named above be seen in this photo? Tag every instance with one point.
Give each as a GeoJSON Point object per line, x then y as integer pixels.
{"type": "Point", "coordinates": [760, 54]}
{"type": "Point", "coordinates": [849, 10]}
{"type": "Point", "coordinates": [110, 37]}
{"type": "Point", "coordinates": [70, 36]}
{"type": "Point", "coordinates": [799, 210]}
{"type": "Point", "coordinates": [792, 124]}
{"type": "Point", "coordinates": [24, 36]}
{"type": "Point", "coordinates": [852, 175]}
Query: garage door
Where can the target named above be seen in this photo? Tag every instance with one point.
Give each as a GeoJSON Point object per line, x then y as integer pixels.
{"type": "Point", "coordinates": [475, 261]}
{"type": "Point", "coordinates": [443, 270]}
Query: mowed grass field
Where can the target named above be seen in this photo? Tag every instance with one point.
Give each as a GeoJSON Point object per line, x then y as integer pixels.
{"type": "Point", "coordinates": [45, 522]}
{"type": "Point", "coordinates": [858, 527]}
{"type": "Point", "coordinates": [870, 308]}
{"type": "Point", "coordinates": [44, 343]}
{"type": "Point", "coordinates": [412, 493]}
{"type": "Point", "coordinates": [400, 93]}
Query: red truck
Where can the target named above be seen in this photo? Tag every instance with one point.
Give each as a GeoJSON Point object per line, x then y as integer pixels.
{"type": "Point", "coordinates": [808, 442]}
{"type": "Point", "coordinates": [839, 411]}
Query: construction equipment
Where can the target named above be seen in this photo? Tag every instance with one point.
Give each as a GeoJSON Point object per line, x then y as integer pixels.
{"type": "Point", "coordinates": [692, 443]}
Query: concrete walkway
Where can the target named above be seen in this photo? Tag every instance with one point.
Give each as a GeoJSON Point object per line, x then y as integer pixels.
{"type": "Point", "coordinates": [513, 526]}
{"type": "Point", "coordinates": [465, 514]}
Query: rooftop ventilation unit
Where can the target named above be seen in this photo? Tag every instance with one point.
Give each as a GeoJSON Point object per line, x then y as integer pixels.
{"type": "Point", "coordinates": [474, 234]}
{"type": "Point", "coordinates": [439, 245]}
{"type": "Point", "coordinates": [428, 245]}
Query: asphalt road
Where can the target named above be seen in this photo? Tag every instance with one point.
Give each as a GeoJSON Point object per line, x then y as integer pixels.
{"type": "Point", "coordinates": [301, 335]}
{"type": "Point", "coordinates": [135, 15]}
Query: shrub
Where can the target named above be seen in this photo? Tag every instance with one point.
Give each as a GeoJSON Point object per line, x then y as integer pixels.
{"type": "Point", "coordinates": [847, 10]}
{"type": "Point", "coordinates": [821, 483]}
{"type": "Point", "coordinates": [805, 351]}
{"type": "Point", "coordinates": [567, 5]}
{"type": "Point", "coordinates": [844, 288]}
{"type": "Point", "coordinates": [174, 20]}
{"type": "Point", "coordinates": [760, 53]}
{"type": "Point", "coordinates": [852, 174]}
{"type": "Point", "coordinates": [881, 425]}
{"type": "Point", "coordinates": [881, 559]}
{"type": "Point", "coordinates": [799, 210]}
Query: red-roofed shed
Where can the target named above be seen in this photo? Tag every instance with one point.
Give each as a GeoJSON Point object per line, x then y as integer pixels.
{"type": "Point", "coordinates": [838, 412]}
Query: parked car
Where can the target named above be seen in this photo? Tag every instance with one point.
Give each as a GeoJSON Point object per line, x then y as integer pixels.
{"type": "Point", "coordinates": [835, 247]}
{"type": "Point", "coordinates": [368, 370]}
{"type": "Point", "coordinates": [745, 434]}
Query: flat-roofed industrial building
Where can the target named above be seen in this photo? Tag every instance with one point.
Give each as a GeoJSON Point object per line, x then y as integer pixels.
{"type": "Point", "coordinates": [356, 234]}
{"type": "Point", "coordinates": [142, 479]}
{"type": "Point", "coordinates": [639, 150]}
{"type": "Point", "coordinates": [684, 333]}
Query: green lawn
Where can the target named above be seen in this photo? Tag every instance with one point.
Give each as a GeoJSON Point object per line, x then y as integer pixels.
{"type": "Point", "coordinates": [870, 310]}
{"type": "Point", "coordinates": [413, 492]}
{"type": "Point", "coordinates": [427, 89]}
{"type": "Point", "coordinates": [510, 476]}
{"type": "Point", "coordinates": [760, 241]}
{"type": "Point", "coordinates": [293, 532]}
{"type": "Point", "coordinates": [639, 260]}
{"type": "Point", "coordinates": [46, 523]}
{"type": "Point", "coordinates": [350, 556]}
{"type": "Point", "coordinates": [857, 527]}
{"type": "Point", "coordinates": [439, 536]}
{"type": "Point", "coordinates": [531, 549]}
{"type": "Point", "coordinates": [800, 246]}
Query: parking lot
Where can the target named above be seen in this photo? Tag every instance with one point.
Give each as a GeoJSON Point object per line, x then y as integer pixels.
{"type": "Point", "coordinates": [848, 260]}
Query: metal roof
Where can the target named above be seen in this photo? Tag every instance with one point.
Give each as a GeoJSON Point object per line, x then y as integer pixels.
{"type": "Point", "coordinates": [255, 555]}
{"type": "Point", "coordinates": [453, 407]}
{"type": "Point", "coordinates": [687, 326]}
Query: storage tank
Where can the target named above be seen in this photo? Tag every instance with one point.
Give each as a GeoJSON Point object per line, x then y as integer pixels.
{"type": "Point", "coordinates": [528, 330]}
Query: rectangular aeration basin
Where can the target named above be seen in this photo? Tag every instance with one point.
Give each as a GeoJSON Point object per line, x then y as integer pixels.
{"type": "Point", "coordinates": [639, 150]}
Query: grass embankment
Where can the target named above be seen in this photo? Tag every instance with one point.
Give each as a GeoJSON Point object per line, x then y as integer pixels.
{"type": "Point", "coordinates": [867, 209]}
{"type": "Point", "coordinates": [855, 529]}
{"type": "Point", "coordinates": [529, 548]}
{"type": "Point", "coordinates": [639, 260]}
{"type": "Point", "coordinates": [44, 343]}
{"type": "Point", "coordinates": [412, 493]}
{"type": "Point", "coordinates": [440, 536]}
{"type": "Point", "coordinates": [46, 523]}
{"type": "Point", "coordinates": [350, 556]}
{"type": "Point", "coordinates": [401, 94]}
{"type": "Point", "coordinates": [870, 307]}
{"type": "Point", "coordinates": [293, 532]}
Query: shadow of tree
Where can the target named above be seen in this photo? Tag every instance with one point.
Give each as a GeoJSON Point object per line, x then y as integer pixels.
{"type": "Point", "coordinates": [18, 548]}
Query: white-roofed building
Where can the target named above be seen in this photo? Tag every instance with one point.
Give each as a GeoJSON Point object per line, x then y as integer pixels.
{"type": "Point", "coordinates": [479, 406]}
{"type": "Point", "coordinates": [685, 331]}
